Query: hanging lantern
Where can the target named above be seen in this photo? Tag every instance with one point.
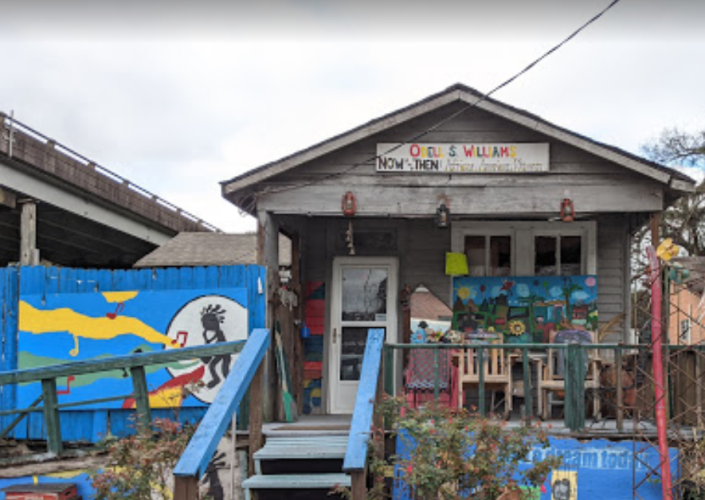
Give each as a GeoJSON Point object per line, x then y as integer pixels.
{"type": "Point", "coordinates": [442, 216]}
{"type": "Point", "coordinates": [567, 210]}
{"type": "Point", "coordinates": [349, 204]}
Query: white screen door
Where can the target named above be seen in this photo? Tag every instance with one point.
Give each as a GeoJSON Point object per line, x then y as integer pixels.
{"type": "Point", "coordinates": [364, 296]}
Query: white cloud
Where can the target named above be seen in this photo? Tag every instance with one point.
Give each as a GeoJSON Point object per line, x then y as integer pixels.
{"type": "Point", "coordinates": [185, 102]}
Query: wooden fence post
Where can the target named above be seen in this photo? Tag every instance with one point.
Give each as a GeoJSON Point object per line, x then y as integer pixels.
{"type": "Point", "coordinates": [575, 388]}
{"type": "Point", "coordinates": [185, 488]}
{"type": "Point", "coordinates": [51, 416]}
{"type": "Point", "coordinates": [139, 385]}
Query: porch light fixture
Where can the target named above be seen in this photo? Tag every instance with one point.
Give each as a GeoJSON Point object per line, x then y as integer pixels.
{"type": "Point", "coordinates": [567, 210]}
{"type": "Point", "coordinates": [442, 216]}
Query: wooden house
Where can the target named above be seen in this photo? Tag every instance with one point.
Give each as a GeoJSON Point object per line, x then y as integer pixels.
{"type": "Point", "coordinates": [373, 212]}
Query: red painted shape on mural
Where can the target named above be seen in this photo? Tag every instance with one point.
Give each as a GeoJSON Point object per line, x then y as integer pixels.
{"type": "Point", "coordinates": [69, 379]}
{"type": "Point", "coordinates": [118, 309]}
{"type": "Point", "coordinates": [180, 381]}
{"type": "Point", "coordinates": [181, 338]}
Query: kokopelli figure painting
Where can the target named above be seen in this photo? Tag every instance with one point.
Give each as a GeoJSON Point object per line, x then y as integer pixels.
{"type": "Point", "coordinates": [212, 316]}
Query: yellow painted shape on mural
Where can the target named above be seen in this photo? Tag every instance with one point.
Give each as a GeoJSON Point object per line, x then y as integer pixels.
{"type": "Point", "coordinates": [113, 297]}
{"type": "Point", "coordinates": [316, 393]}
{"type": "Point", "coordinates": [39, 321]}
{"type": "Point", "coordinates": [564, 485]}
{"type": "Point", "coordinates": [67, 474]}
{"type": "Point", "coordinates": [167, 398]}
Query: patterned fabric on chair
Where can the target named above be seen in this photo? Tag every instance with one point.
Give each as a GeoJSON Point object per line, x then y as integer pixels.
{"type": "Point", "coordinates": [420, 378]}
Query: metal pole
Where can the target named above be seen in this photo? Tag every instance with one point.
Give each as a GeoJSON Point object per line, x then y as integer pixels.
{"type": "Point", "coordinates": [659, 388]}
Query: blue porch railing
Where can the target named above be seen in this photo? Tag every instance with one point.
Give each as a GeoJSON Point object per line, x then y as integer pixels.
{"type": "Point", "coordinates": [369, 393]}
{"type": "Point", "coordinates": [204, 442]}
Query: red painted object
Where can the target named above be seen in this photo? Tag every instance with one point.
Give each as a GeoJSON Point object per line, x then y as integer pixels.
{"type": "Point", "coordinates": [349, 204]}
{"type": "Point", "coordinates": [43, 491]}
{"type": "Point", "coordinates": [659, 392]}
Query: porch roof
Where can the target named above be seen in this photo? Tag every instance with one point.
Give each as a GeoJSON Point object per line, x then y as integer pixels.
{"type": "Point", "coordinates": [473, 98]}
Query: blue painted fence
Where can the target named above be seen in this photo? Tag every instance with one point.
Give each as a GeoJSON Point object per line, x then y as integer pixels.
{"type": "Point", "coordinates": [48, 288]}
{"type": "Point", "coordinates": [595, 468]}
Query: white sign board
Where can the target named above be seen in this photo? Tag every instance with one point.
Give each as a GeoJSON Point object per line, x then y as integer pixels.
{"type": "Point", "coordinates": [462, 158]}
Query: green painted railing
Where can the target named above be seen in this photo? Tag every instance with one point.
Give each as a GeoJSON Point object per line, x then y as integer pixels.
{"type": "Point", "coordinates": [135, 363]}
{"type": "Point", "coordinates": [575, 356]}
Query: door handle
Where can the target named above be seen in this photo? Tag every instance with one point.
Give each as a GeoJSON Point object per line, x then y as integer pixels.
{"type": "Point", "coordinates": [335, 335]}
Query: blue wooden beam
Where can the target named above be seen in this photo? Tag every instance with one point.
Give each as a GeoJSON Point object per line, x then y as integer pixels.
{"type": "Point", "coordinates": [200, 450]}
{"type": "Point", "coordinates": [361, 425]}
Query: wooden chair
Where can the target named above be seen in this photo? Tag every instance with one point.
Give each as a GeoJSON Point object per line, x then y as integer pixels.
{"type": "Point", "coordinates": [496, 368]}
{"type": "Point", "coordinates": [551, 373]}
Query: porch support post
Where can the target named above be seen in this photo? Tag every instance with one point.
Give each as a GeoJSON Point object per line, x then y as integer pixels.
{"type": "Point", "coordinates": [271, 261]}
{"type": "Point", "coordinates": [29, 255]}
{"type": "Point", "coordinates": [261, 397]}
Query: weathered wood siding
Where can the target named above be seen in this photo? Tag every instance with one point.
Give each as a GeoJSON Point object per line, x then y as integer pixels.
{"type": "Point", "coordinates": [595, 185]}
{"type": "Point", "coordinates": [613, 272]}
{"type": "Point", "coordinates": [421, 250]}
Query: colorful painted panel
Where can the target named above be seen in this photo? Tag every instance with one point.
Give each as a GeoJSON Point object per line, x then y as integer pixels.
{"type": "Point", "coordinates": [591, 469]}
{"type": "Point", "coordinates": [61, 328]}
{"type": "Point", "coordinates": [525, 309]}
{"type": "Point", "coordinates": [315, 317]}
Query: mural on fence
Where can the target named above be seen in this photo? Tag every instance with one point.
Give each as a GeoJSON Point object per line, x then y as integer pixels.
{"type": "Point", "coordinates": [525, 309]}
{"type": "Point", "coordinates": [60, 328]}
{"type": "Point", "coordinates": [591, 469]}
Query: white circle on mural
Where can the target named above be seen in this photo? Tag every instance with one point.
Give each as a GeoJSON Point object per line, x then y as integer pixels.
{"type": "Point", "coordinates": [207, 320]}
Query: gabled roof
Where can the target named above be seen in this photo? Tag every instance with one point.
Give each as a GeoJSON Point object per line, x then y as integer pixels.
{"type": "Point", "coordinates": [470, 96]}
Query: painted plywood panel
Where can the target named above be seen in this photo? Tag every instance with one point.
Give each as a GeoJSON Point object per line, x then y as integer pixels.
{"type": "Point", "coordinates": [590, 469]}
{"type": "Point", "coordinates": [58, 328]}
{"type": "Point", "coordinates": [525, 309]}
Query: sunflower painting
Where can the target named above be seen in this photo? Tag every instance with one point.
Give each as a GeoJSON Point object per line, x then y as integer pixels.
{"type": "Point", "coordinates": [525, 309]}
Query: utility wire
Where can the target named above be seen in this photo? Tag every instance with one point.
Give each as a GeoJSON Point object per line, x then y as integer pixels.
{"type": "Point", "coordinates": [449, 117]}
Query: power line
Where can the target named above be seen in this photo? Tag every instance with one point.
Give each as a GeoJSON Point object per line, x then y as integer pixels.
{"type": "Point", "coordinates": [449, 117]}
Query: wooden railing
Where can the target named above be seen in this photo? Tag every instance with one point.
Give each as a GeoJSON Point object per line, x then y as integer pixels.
{"type": "Point", "coordinates": [200, 450]}
{"type": "Point", "coordinates": [135, 363]}
{"type": "Point", "coordinates": [369, 392]}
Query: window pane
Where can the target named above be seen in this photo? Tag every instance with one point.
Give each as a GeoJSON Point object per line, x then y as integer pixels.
{"type": "Point", "coordinates": [364, 294]}
{"type": "Point", "coordinates": [500, 255]}
{"type": "Point", "coordinates": [352, 350]}
{"type": "Point", "coordinates": [545, 263]}
{"type": "Point", "coordinates": [475, 252]}
{"type": "Point", "coordinates": [571, 255]}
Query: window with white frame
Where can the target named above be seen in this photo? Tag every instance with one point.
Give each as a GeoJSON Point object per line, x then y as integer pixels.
{"type": "Point", "coordinates": [527, 248]}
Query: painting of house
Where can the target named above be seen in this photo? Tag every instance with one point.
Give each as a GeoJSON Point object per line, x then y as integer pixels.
{"type": "Point", "coordinates": [525, 310]}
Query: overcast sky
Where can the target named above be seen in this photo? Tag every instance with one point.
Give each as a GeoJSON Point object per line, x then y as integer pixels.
{"type": "Point", "coordinates": [179, 96]}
